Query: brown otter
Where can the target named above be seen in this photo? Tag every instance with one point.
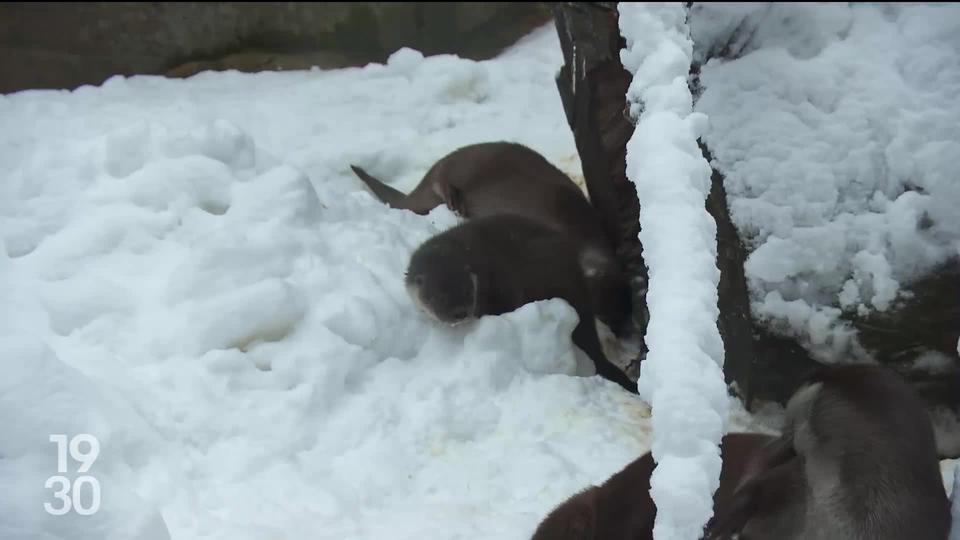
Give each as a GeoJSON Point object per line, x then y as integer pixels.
{"type": "Point", "coordinates": [621, 508]}
{"type": "Point", "coordinates": [496, 264]}
{"type": "Point", "coordinates": [496, 178]}
{"type": "Point", "coordinates": [860, 460]}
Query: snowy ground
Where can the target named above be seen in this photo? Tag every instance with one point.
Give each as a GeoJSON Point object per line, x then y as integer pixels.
{"type": "Point", "coordinates": [192, 274]}
{"type": "Point", "coordinates": [196, 278]}
{"type": "Point", "coordinates": [837, 128]}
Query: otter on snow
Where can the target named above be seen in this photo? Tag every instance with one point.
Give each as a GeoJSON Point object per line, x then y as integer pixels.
{"type": "Point", "coordinates": [496, 264]}
{"type": "Point", "coordinates": [496, 178]}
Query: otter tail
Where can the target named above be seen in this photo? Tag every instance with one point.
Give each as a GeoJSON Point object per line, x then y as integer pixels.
{"type": "Point", "coordinates": [385, 193]}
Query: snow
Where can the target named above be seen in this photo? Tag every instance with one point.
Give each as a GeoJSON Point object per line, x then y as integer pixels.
{"type": "Point", "coordinates": [835, 126]}
{"type": "Point", "coordinates": [190, 272]}
{"type": "Point", "coordinates": [682, 376]}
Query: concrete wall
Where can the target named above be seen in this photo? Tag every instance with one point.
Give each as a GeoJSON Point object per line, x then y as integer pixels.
{"type": "Point", "coordinates": [67, 44]}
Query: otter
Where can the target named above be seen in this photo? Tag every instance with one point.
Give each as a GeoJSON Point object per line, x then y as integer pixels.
{"type": "Point", "coordinates": [496, 264]}
{"type": "Point", "coordinates": [497, 178]}
{"type": "Point", "coordinates": [857, 459]}
{"type": "Point", "coordinates": [622, 509]}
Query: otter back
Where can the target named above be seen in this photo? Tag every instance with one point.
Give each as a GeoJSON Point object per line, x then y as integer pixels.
{"type": "Point", "coordinates": [622, 509]}
{"type": "Point", "coordinates": [862, 446]}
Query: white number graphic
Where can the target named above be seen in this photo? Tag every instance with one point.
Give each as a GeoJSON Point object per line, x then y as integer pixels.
{"type": "Point", "coordinates": [62, 495]}
{"type": "Point", "coordinates": [87, 458]}
{"type": "Point", "coordinates": [84, 449]}
{"type": "Point", "coordinates": [94, 495]}
{"type": "Point", "coordinates": [61, 442]}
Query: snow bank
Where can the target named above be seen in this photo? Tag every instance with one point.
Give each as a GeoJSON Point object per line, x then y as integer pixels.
{"type": "Point", "coordinates": [836, 127]}
{"type": "Point", "coordinates": [191, 273]}
{"type": "Point", "coordinates": [682, 375]}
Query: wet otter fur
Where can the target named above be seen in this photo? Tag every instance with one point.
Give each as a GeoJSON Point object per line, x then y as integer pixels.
{"type": "Point", "coordinates": [857, 459]}
{"type": "Point", "coordinates": [496, 264]}
{"type": "Point", "coordinates": [494, 178]}
{"type": "Point", "coordinates": [622, 509]}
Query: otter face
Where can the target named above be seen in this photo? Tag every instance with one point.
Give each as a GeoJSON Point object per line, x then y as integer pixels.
{"type": "Point", "coordinates": [444, 288]}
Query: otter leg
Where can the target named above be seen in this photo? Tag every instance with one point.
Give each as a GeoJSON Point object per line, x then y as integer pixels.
{"type": "Point", "coordinates": [422, 201]}
{"type": "Point", "coordinates": [773, 454]}
{"type": "Point", "coordinates": [766, 479]}
{"type": "Point", "coordinates": [585, 337]}
{"type": "Point", "coordinates": [453, 198]}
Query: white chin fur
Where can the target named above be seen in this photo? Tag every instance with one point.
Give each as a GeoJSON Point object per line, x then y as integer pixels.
{"type": "Point", "coordinates": [414, 292]}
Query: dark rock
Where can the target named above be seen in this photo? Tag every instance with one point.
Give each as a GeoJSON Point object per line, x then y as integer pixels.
{"type": "Point", "coordinates": [69, 44]}
{"type": "Point", "coordinates": [593, 86]}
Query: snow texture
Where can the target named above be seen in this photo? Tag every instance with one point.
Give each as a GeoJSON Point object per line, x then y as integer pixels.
{"type": "Point", "coordinates": [836, 127]}
{"type": "Point", "coordinates": [191, 273]}
{"type": "Point", "coordinates": [682, 375]}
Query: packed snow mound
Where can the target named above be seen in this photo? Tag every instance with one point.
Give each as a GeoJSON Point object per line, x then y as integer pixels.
{"type": "Point", "coordinates": [682, 375]}
{"type": "Point", "coordinates": [836, 127]}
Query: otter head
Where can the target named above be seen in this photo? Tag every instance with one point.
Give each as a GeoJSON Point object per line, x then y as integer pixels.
{"type": "Point", "coordinates": [442, 282]}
